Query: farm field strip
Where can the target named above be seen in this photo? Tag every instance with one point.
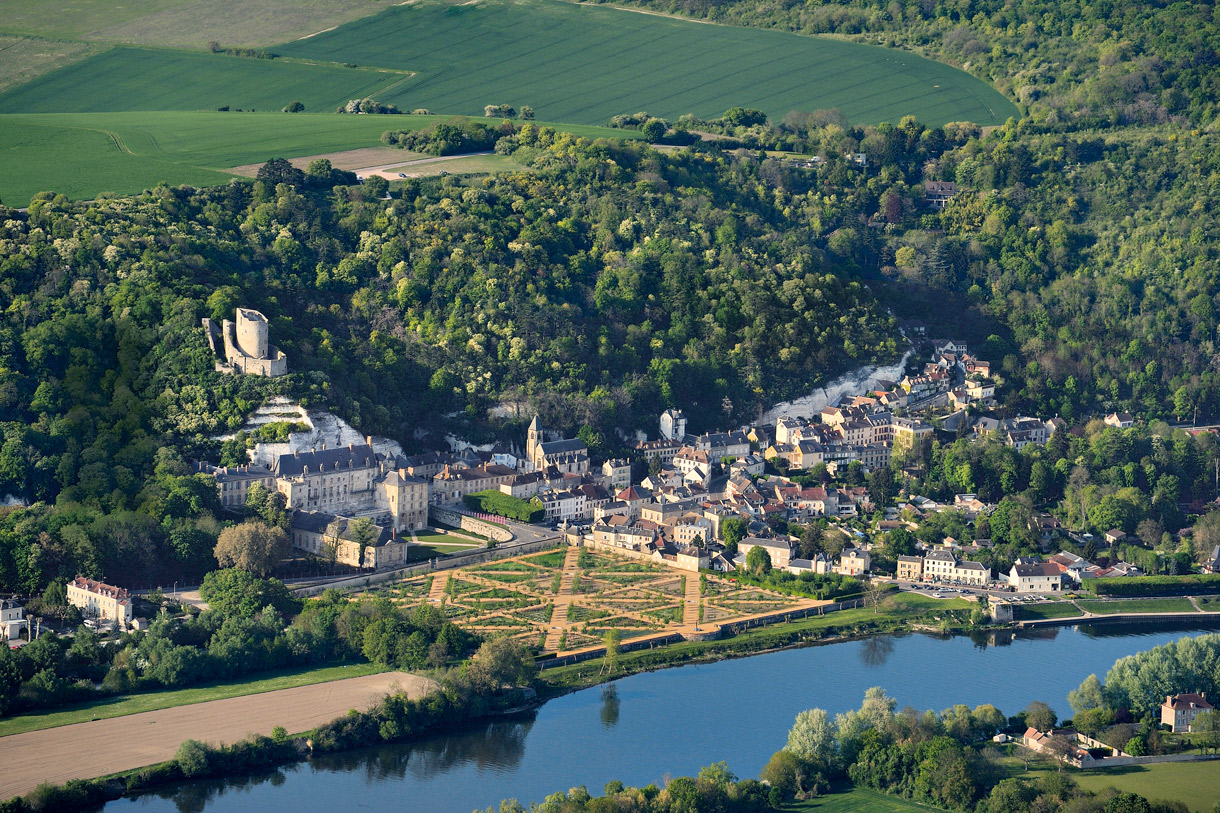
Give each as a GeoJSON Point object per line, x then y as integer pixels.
{"type": "Point", "coordinates": [569, 62]}
{"type": "Point", "coordinates": [119, 744]}
{"type": "Point", "coordinates": [77, 154]}
{"type": "Point", "coordinates": [146, 79]}
{"type": "Point", "coordinates": [180, 23]}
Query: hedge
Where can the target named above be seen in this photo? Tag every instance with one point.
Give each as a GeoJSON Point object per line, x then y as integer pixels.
{"type": "Point", "coordinates": [1155, 585]}
{"type": "Point", "coordinates": [503, 505]}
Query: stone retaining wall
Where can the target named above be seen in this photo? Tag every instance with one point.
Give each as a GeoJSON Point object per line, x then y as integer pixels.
{"type": "Point", "coordinates": [476, 556]}
{"type": "Point", "coordinates": [625, 646]}
{"type": "Point", "coordinates": [466, 522]}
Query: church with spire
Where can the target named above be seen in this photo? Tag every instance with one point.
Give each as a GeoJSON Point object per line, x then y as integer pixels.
{"type": "Point", "coordinates": [569, 456]}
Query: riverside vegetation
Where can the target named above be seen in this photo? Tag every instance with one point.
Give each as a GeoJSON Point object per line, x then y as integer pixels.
{"type": "Point", "coordinates": [943, 759]}
{"type": "Point", "coordinates": [488, 683]}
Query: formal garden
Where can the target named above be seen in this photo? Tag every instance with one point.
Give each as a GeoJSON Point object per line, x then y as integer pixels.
{"type": "Point", "coordinates": [597, 592]}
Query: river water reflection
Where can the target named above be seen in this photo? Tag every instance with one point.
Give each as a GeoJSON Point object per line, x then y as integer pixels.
{"type": "Point", "coordinates": [673, 722]}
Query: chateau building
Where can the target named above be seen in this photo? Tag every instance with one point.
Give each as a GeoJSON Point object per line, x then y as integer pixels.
{"type": "Point", "coordinates": [98, 600]}
{"type": "Point", "coordinates": [352, 481]}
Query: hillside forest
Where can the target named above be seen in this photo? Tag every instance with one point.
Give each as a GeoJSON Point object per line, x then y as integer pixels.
{"type": "Point", "coordinates": [610, 280]}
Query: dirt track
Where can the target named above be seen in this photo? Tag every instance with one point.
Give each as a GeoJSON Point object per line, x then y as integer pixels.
{"type": "Point", "coordinates": [103, 747]}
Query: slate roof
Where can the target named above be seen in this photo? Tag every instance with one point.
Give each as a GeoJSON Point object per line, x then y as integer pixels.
{"type": "Point", "coordinates": [568, 446]}
{"type": "Point", "coordinates": [346, 457]}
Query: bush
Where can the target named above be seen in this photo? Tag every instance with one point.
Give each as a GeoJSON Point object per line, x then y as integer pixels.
{"type": "Point", "coordinates": [192, 758]}
{"type": "Point", "coordinates": [1155, 585]}
{"type": "Point", "coordinates": [449, 138]}
{"type": "Point", "coordinates": [503, 505]}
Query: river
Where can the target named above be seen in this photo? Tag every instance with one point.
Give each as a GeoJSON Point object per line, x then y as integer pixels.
{"type": "Point", "coordinates": [672, 722]}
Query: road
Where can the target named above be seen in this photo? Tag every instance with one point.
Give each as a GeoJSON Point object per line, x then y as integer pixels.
{"type": "Point", "coordinates": [102, 747]}
{"type": "Point", "coordinates": [390, 171]}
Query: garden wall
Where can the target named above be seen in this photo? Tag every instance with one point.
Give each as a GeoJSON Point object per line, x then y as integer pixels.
{"type": "Point", "coordinates": [466, 522]}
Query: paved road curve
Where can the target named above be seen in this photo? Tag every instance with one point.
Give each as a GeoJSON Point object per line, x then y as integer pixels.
{"type": "Point", "coordinates": [102, 747]}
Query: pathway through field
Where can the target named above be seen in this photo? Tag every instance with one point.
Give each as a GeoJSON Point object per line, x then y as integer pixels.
{"type": "Point", "coordinates": [690, 610]}
{"type": "Point", "coordinates": [563, 600]}
{"type": "Point", "coordinates": [102, 747]}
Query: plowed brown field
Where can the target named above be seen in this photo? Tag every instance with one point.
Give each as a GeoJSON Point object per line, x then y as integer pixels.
{"type": "Point", "coordinates": [103, 747]}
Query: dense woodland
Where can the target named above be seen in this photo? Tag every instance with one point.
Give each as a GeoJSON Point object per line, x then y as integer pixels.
{"type": "Point", "coordinates": [609, 281]}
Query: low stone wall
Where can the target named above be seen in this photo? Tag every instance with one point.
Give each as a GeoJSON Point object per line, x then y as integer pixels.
{"type": "Point", "coordinates": [476, 556]}
{"type": "Point", "coordinates": [1118, 762]}
{"type": "Point", "coordinates": [735, 627]}
{"type": "Point", "coordinates": [466, 522]}
{"type": "Point", "coordinates": [625, 646]}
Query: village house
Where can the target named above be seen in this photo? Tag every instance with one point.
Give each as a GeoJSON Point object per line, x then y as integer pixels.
{"type": "Point", "coordinates": [98, 600]}
{"type": "Point", "coordinates": [1180, 710]}
{"type": "Point", "coordinates": [853, 562]}
{"type": "Point", "coordinates": [522, 486]}
{"type": "Point", "coordinates": [1119, 420]}
{"type": "Point", "coordinates": [1042, 577]}
{"type": "Point", "coordinates": [615, 532]}
{"type": "Point", "coordinates": [942, 565]}
{"type": "Point", "coordinates": [662, 450]}
{"type": "Point", "coordinates": [673, 425]}
{"type": "Point", "coordinates": [750, 465]}
{"type": "Point", "coordinates": [451, 484]}
{"type": "Point", "coordinates": [718, 445]}
{"type": "Point", "coordinates": [12, 620]}
{"type": "Point", "coordinates": [616, 473]}
{"type": "Point", "coordinates": [692, 559]}
{"type": "Point", "coordinates": [780, 550]}
{"type": "Point", "coordinates": [818, 565]}
{"type": "Point", "coordinates": [910, 568]}
{"type": "Point", "coordinates": [564, 506]}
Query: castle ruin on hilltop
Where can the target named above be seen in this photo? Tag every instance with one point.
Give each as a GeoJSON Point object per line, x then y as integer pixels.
{"type": "Point", "coordinates": [243, 345]}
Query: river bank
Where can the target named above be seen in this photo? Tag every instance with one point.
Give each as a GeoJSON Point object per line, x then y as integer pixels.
{"type": "Point", "coordinates": [671, 722]}
{"type": "Point", "coordinates": [834, 627]}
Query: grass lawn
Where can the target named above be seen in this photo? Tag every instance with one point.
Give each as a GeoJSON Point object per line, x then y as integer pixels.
{"type": "Point", "coordinates": [758, 639]}
{"type": "Point", "coordinates": [150, 701]}
{"type": "Point", "coordinates": [83, 155]}
{"type": "Point", "coordinates": [856, 799]}
{"type": "Point", "coordinates": [921, 601]}
{"type": "Point", "coordinates": [432, 551]}
{"type": "Point", "coordinates": [1051, 609]}
{"type": "Point", "coordinates": [1209, 604]}
{"type": "Point", "coordinates": [448, 540]}
{"type": "Point", "coordinates": [1139, 605]}
{"type": "Point", "coordinates": [1195, 784]}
